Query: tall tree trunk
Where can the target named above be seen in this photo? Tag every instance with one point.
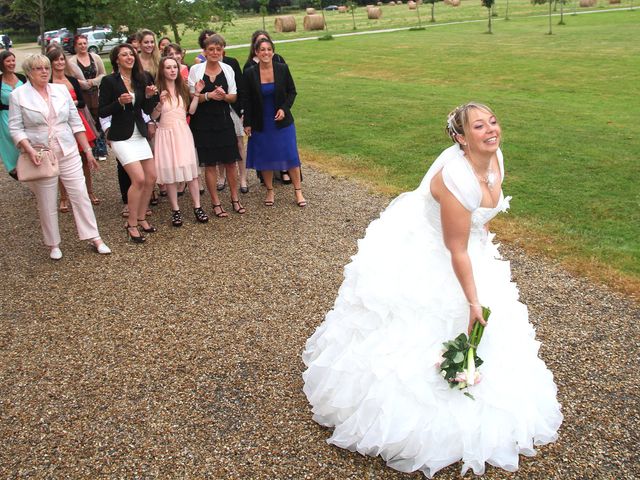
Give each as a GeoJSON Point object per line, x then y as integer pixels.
{"type": "Point", "coordinates": [550, 6]}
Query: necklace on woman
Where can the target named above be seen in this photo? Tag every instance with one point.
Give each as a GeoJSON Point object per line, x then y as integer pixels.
{"type": "Point", "coordinates": [489, 177]}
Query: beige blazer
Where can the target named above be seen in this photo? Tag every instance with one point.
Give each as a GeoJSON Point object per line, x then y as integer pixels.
{"type": "Point", "coordinates": [28, 113]}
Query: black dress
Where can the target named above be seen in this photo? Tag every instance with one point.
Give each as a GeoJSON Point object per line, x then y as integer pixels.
{"type": "Point", "coordinates": [212, 127]}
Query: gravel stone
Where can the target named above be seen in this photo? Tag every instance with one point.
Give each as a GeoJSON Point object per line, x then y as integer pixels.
{"type": "Point", "coordinates": [180, 358]}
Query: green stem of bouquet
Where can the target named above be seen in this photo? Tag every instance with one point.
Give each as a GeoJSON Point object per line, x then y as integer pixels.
{"type": "Point", "coordinates": [476, 336]}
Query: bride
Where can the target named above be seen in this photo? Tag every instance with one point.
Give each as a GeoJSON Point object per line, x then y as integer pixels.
{"type": "Point", "coordinates": [420, 277]}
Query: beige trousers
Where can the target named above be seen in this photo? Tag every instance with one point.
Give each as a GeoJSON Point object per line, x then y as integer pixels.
{"type": "Point", "coordinates": [46, 192]}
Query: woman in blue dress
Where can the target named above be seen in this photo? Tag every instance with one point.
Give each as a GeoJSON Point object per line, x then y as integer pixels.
{"type": "Point", "coordinates": [9, 81]}
{"type": "Point", "coordinates": [270, 93]}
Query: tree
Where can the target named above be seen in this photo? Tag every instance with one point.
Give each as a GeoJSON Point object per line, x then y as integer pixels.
{"type": "Point", "coordinates": [351, 5]}
{"type": "Point", "coordinates": [433, 8]}
{"type": "Point", "coordinates": [488, 4]}
{"type": "Point", "coordinates": [157, 15]}
{"type": "Point", "coordinates": [36, 10]}
{"type": "Point", "coordinates": [263, 12]}
{"type": "Point", "coordinates": [542, 2]}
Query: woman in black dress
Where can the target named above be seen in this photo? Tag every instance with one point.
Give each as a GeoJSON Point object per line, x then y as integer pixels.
{"type": "Point", "coordinates": [213, 130]}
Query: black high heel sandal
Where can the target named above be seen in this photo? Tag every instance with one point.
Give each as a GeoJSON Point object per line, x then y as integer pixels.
{"type": "Point", "coordinates": [301, 203]}
{"type": "Point", "coordinates": [200, 215]}
{"type": "Point", "coordinates": [149, 229]}
{"type": "Point", "coordinates": [134, 238]}
{"type": "Point", "coordinates": [269, 203]}
{"type": "Point", "coordinates": [176, 218]}
{"type": "Point", "coordinates": [237, 207]}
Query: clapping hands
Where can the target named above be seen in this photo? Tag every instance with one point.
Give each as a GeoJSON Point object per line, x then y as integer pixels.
{"type": "Point", "coordinates": [150, 91]}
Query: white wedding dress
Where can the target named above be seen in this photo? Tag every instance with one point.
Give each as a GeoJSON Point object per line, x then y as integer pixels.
{"type": "Point", "coordinates": [371, 365]}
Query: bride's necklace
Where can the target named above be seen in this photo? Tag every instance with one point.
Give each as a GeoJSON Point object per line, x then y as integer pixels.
{"type": "Point", "coordinates": [489, 177]}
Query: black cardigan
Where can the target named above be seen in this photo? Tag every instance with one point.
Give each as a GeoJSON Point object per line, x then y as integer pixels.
{"type": "Point", "coordinates": [124, 117]}
{"type": "Point", "coordinates": [21, 77]}
{"type": "Point", "coordinates": [76, 87]}
{"type": "Point", "coordinates": [285, 95]}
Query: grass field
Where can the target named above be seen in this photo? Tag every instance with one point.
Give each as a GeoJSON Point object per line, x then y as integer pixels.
{"type": "Point", "coordinates": [374, 106]}
{"type": "Point", "coordinates": [392, 17]}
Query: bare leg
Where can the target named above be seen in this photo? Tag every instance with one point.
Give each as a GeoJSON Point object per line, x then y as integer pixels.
{"type": "Point", "coordinates": [211, 176]}
{"type": "Point", "coordinates": [172, 194]}
{"type": "Point", "coordinates": [297, 186]}
{"type": "Point", "coordinates": [267, 176]}
{"type": "Point", "coordinates": [242, 163]}
{"type": "Point", "coordinates": [64, 200]}
{"type": "Point", "coordinates": [149, 171]}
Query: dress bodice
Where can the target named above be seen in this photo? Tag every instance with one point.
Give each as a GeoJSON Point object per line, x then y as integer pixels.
{"type": "Point", "coordinates": [172, 112]}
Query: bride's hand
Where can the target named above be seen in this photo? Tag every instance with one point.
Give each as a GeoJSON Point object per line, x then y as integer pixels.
{"type": "Point", "coordinates": [475, 315]}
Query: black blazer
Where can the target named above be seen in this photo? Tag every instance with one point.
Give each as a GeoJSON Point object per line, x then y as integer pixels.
{"type": "Point", "coordinates": [285, 95]}
{"type": "Point", "coordinates": [76, 87]}
{"type": "Point", "coordinates": [22, 78]}
{"type": "Point", "coordinates": [124, 117]}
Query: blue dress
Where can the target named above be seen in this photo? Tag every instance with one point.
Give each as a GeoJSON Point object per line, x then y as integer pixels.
{"type": "Point", "coordinates": [272, 148]}
{"type": "Point", "coordinates": [8, 150]}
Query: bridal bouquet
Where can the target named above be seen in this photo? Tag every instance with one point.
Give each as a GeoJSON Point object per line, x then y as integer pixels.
{"type": "Point", "coordinates": [460, 361]}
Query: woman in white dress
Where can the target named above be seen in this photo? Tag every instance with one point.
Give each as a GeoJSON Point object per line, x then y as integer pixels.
{"type": "Point", "coordinates": [419, 279]}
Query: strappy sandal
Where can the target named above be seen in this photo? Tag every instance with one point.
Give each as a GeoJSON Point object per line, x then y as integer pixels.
{"type": "Point", "coordinates": [154, 199]}
{"type": "Point", "coordinates": [134, 238]}
{"type": "Point", "coordinates": [176, 218]}
{"type": "Point", "coordinates": [149, 229]}
{"type": "Point", "coordinates": [94, 200]}
{"type": "Point", "coordinates": [200, 215]}
{"type": "Point", "coordinates": [301, 203]}
{"type": "Point", "coordinates": [237, 207]}
{"type": "Point", "coordinates": [269, 203]}
{"type": "Point", "coordinates": [219, 212]}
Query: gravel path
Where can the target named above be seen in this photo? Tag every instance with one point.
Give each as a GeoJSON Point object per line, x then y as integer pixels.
{"type": "Point", "coordinates": [180, 358]}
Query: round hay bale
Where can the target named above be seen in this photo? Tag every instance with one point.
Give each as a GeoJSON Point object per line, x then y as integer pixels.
{"type": "Point", "coordinates": [374, 13]}
{"type": "Point", "coordinates": [453, 3]}
{"type": "Point", "coordinates": [369, 6]}
{"type": "Point", "coordinates": [379, 4]}
{"type": "Point", "coordinates": [392, 3]}
{"type": "Point", "coordinates": [412, 5]}
{"type": "Point", "coordinates": [286, 23]}
{"type": "Point", "coordinates": [587, 3]}
{"type": "Point", "coordinates": [419, 2]}
{"type": "Point", "coordinates": [311, 11]}
{"type": "Point", "coordinates": [342, 9]}
{"type": "Point", "coordinates": [313, 22]}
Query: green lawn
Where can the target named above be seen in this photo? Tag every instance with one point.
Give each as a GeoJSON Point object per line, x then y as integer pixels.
{"type": "Point", "coordinates": [392, 17]}
{"type": "Point", "coordinates": [568, 104]}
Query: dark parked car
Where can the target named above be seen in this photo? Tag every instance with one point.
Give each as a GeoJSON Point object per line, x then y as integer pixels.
{"type": "Point", "coordinates": [331, 7]}
{"type": "Point", "coordinates": [65, 39]}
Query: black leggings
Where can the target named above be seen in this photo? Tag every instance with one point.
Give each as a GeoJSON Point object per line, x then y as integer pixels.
{"type": "Point", "coordinates": [124, 181]}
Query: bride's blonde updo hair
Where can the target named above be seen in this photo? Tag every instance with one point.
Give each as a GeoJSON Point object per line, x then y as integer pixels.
{"type": "Point", "coordinates": [458, 119]}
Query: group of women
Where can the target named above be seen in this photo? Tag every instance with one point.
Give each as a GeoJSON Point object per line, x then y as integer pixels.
{"type": "Point", "coordinates": [163, 121]}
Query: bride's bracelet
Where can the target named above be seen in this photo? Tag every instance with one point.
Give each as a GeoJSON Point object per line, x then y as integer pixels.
{"type": "Point", "coordinates": [474, 304]}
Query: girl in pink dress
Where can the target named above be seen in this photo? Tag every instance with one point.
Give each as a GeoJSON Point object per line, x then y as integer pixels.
{"type": "Point", "coordinates": [175, 153]}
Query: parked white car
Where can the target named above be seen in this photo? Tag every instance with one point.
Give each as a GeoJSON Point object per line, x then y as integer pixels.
{"type": "Point", "coordinates": [103, 41]}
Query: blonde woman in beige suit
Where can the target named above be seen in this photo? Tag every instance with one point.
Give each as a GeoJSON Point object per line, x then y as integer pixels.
{"type": "Point", "coordinates": [43, 113]}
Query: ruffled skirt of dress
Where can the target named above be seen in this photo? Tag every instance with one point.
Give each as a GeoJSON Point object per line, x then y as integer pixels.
{"type": "Point", "coordinates": [371, 372]}
{"type": "Point", "coordinates": [175, 153]}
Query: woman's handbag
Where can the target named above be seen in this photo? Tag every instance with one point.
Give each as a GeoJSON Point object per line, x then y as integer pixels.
{"type": "Point", "coordinates": [28, 171]}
